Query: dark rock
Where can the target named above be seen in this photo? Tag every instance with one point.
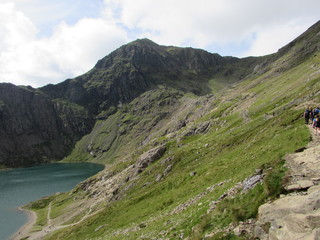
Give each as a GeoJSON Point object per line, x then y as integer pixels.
{"type": "Point", "coordinates": [300, 149]}
{"type": "Point", "coordinates": [203, 127]}
{"type": "Point", "coordinates": [199, 129]}
{"type": "Point", "coordinates": [34, 129]}
{"type": "Point", "coordinates": [142, 225]}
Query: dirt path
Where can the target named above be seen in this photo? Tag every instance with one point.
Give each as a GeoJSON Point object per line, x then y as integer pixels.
{"type": "Point", "coordinates": [295, 215]}
{"type": "Point", "coordinates": [51, 226]}
{"type": "Point", "coordinates": [49, 213]}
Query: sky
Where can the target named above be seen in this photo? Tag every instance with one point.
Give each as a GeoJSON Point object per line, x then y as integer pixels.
{"type": "Point", "coordinates": [46, 41]}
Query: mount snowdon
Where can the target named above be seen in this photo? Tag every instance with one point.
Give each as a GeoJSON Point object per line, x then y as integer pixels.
{"type": "Point", "coordinates": [41, 125]}
{"type": "Point", "coordinates": [193, 142]}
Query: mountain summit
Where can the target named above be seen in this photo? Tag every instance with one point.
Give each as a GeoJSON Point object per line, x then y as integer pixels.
{"type": "Point", "coordinates": [143, 65]}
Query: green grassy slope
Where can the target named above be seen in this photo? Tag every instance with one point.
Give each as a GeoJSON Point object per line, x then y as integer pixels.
{"type": "Point", "coordinates": [212, 143]}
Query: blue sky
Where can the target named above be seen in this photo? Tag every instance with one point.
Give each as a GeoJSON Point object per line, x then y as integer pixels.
{"type": "Point", "coordinates": [45, 41]}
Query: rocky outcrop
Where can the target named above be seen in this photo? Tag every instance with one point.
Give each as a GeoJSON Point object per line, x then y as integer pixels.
{"type": "Point", "coordinates": [291, 217]}
{"type": "Point", "coordinates": [149, 157]}
{"type": "Point", "coordinates": [296, 215]}
{"type": "Point", "coordinates": [35, 129]}
{"type": "Point", "coordinates": [197, 129]}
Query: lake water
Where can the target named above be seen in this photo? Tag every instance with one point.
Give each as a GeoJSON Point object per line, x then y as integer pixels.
{"type": "Point", "coordinates": [22, 185]}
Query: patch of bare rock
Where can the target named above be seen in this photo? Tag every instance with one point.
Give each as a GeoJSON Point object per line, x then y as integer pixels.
{"type": "Point", "coordinates": [296, 215]}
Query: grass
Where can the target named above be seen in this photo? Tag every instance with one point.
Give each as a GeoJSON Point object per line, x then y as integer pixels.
{"type": "Point", "coordinates": [41, 208]}
{"type": "Point", "coordinates": [234, 153]}
{"type": "Point", "coordinates": [231, 151]}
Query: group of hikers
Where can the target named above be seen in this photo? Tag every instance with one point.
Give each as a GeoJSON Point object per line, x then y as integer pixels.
{"type": "Point", "coordinates": [312, 116]}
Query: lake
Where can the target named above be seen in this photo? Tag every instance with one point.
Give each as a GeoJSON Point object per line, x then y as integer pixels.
{"type": "Point", "coordinates": [22, 185]}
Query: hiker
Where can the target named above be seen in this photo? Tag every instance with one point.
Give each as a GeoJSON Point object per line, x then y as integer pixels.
{"type": "Point", "coordinates": [311, 115]}
{"type": "Point", "coordinates": [316, 124]}
{"type": "Point", "coordinates": [306, 115]}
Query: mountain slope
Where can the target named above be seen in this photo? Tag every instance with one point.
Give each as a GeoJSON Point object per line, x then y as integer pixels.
{"type": "Point", "coordinates": [114, 82]}
{"type": "Point", "coordinates": [183, 164]}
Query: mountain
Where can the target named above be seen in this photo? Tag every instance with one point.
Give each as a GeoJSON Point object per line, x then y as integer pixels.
{"type": "Point", "coordinates": [142, 65]}
{"type": "Point", "coordinates": [55, 117]}
{"type": "Point", "coordinates": [193, 142]}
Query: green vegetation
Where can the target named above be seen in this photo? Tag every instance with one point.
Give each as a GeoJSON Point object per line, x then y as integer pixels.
{"type": "Point", "coordinates": [230, 152]}
{"type": "Point", "coordinates": [41, 208]}
{"type": "Point", "coordinates": [253, 124]}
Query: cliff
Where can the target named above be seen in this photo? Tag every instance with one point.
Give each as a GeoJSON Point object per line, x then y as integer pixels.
{"type": "Point", "coordinates": [34, 129]}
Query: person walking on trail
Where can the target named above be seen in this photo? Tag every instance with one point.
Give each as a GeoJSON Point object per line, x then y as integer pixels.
{"type": "Point", "coordinates": [311, 115]}
{"type": "Point", "coordinates": [306, 115]}
{"type": "Point", "coordinates": [316, 125]}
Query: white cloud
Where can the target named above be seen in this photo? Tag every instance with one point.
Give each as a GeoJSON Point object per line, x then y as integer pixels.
{"type": "Point", "coordinates": [205, 23]}
{"type": "Point", "coordinates": [75, 48]}
{"type": "Point", "coordinates": [70, 51]}
{"type": "Point", "coordinates": [43, 41]}
{"type": "Point", "coordinates": [271, 39]}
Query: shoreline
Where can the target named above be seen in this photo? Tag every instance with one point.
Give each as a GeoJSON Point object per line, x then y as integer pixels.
{"type": "Point", "coordinates": [25, 229]}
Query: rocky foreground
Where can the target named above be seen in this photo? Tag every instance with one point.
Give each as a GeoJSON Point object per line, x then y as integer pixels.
{"type": "Point", "coordinates": [296, 215]}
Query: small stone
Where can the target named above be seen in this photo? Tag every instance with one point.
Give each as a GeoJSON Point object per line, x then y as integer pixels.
{"type": "Point", "coordinates": [158, 177]}
{"type": "Point", "coordinates": [192, 174]}
{"type": "Point", "coordinates": [142, 225]}
{"type": "Point", "coordinates": [98, 228]}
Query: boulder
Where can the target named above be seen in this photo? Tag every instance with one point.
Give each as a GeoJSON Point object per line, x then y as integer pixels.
{"type": "Point", "coordinates": [252, 181]}
{"type": "Point", "coordinates": [149, 157]}
{"type": "Point", "coordinates": [300, 185]}
{"type": "Point", "coordinates": [290, 217]}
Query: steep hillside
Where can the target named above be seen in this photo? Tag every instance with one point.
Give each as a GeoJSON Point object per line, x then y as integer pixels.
{"type": "Point", "coordinates": [184, 161]}
{"type": "Point", "coordinates": [140, 85]}
{"type": "Point", "coordinates": [34, 129]}
{"type": "Point", "coordinates": [41, 125]}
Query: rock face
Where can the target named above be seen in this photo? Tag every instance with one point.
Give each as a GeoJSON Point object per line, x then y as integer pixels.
{"type": "Point", "coordinates": [149, 157]}
{"type": "Point", "coordinates": [297, 215]}
{"type": "Point", "coordinates": [35, 129]}
{"type": "Point", "coordinates": [292, 217]}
